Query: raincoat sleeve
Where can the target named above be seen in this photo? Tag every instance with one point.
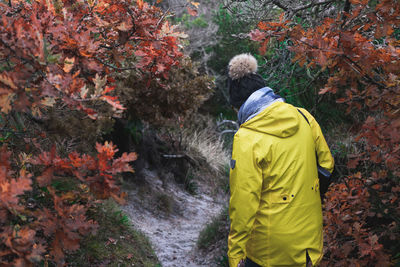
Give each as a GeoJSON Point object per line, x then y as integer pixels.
{"type": "Point", "coordinates": [325, 158]}
{"type": "Point", "coordinates": [245, 186]}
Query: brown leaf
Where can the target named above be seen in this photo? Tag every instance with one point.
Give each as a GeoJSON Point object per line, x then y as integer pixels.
{"type": "Point", "coordinates": [46, 177]}
{"type": "Point", "coordinates": [352, 163]}
{"type": "Point", "coordinates": [257, 35]}
{"type": "Point", "coordinates": [5, 102]}
{"type": "Point", "coordinates": [5, 79]}
{"type": "Point", "coordinates": [23, 239]}
{"type": "Point", "coordinates": [196, 4]}
{"type": "Point", "coordinates": [140, 4]}
{"type": "Point", "coordinates": [192, 12]}
{"type": "Point", "coordinates": [324, 90]}
{"type": "Point", "coordinates": [125, 26]}
{"type": "Point", "coordinates": [68, 64]}
{"type": "Point", "coordinates": [37, 251]}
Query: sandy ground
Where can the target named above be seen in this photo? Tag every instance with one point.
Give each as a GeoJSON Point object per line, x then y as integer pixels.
{"type": "Point", "coordinates": [174, 236]}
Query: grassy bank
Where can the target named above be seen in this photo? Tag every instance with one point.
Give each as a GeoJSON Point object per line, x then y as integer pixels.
{"type": "Point", "coordinates": [116, 242]}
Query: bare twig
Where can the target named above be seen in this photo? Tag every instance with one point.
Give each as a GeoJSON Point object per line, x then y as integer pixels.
{"type": "Point", "coordinates": [114, 67]}
{"type": "Point", "coordinates": [178, 156]}
{"type": "Point", "coordinates": [280, 5]}
{"type": "Point", "coordinates": [162, 17]}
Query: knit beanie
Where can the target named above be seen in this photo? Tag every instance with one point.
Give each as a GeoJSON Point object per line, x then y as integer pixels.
{"type": "Point", "coordinates": [243, 79]}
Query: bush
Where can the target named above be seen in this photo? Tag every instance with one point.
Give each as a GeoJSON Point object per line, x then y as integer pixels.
{"type": "Point", "coordinates": [165, 101]}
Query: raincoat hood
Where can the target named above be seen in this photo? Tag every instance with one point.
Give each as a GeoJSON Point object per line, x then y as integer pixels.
{"type": "Point", "coordinates": [266, 112]}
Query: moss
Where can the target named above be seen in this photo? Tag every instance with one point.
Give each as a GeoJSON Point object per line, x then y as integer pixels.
{"type": "Point", "coordinates": [116, 243]}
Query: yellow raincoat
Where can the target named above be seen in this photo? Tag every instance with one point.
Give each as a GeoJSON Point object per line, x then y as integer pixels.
{"type": "Point", "coordinates": [275, 205]}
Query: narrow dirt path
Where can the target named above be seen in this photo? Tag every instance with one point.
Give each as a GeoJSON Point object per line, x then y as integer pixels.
{"type": "Point", "coordinates": [174, 237]}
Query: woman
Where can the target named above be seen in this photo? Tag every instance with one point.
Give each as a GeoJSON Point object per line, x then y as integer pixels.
{"type": "Point", "coordinates": [275, 205]}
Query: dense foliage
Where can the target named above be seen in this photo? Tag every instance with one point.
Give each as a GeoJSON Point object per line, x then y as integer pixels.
{"type": "Point", "coordinates": [60, 63]}
{"type": "Point", "coordinates": [67, 49]}
{"type": "Point", "coordinates": [57, 225]}
{"type": "Point", "coordinates": [358, 48]}
{"type": "Point", "coordinates": [168, 100]}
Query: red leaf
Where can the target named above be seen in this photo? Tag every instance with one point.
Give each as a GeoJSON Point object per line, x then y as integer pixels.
{"type": "Point", "coordinates": [192, 12]}
{"type": "Point", "coordinates": [111, 100]}
{"type": "Point", "coordinates": [108, 89]}
{"type": "Point", "coordinates": [324, 90]}
{"type": "Point", "coordinates": [121, 164]}
{"type": "Point", "coordinates": [140, 4]}
{"type": "Point", "coordinates": [281, 16]}
{"type": "Point", "coordinates": [160, 68]}
{"type": "Point", "coordinates": [5, 79]}
{"type": "Point", "coordinates": [352, 163]}
{"type": "Point", "coordinates": [257, 35]}
{"type": "Point", "coordinates": [263, 26]}
{"type": "Point", "coordinates": [46, 177]}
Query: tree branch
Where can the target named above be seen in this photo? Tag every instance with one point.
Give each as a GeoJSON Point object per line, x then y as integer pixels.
{"type": "Point", "coordinates": [313, 5]}
{"type": "Point", "coordinates": [114, 67]}
{"type": "Point", "coordinates": [279, 4]}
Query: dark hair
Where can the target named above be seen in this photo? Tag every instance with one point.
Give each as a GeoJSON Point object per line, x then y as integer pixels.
{"type": "Point", "coordinates": [241, 89]}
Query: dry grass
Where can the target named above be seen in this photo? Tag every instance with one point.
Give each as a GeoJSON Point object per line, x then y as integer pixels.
{"type": "Point", "coordinates": [204, 143]}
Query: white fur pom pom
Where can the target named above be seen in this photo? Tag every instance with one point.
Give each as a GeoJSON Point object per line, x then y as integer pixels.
{"type": "Point", "coordinates": [242, 65]}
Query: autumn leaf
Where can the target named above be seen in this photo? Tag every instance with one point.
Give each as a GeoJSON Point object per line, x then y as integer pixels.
{"type": "Point", "coordinates": [281, 16]}
{"type": "Point", "coordinates": [68, 64]}
{"type": "Point", "coordinates": [5, 102]}
{"type": "Point", "coordinates": [140, 4]}
{"type": "Point", "coordinates": [37, 253]}
{"type": "Point", "coordinates": [262, 25]}
{"type": "Point", "coordinates": [99, 84]}
{"type": "Point", "coordinates": [46, 177]}
{"type": "Point", "coordinates": [125, 26]}
{"type": "Point", "coordinates": [121, 164]}
{"type": "Point", "coordinates": [352, 163]}
{"type": "Point", "coordinates": [23, 238]}
{"type": "Point", "coordinates": [257, 35]}
{"type": "Point", "coordinates": [5, 79]}
{"type": "Point", "coordinates": [113, 102]}
{"type": "Point", "coordinates": [322, 60]}
{"type": "Point", "coordinates": [108, 149]}
{"type": "Point", "coordinates": [108, 89]}
{"type": "Point", "coordinates": [119, 198]}
{"type": "Point", "coordinates": [10, 190]}
{"type": "Point", "coordinates": [359, 2]}
{"type": "Point", "coordinates": [191, 11]}
{"type": "Point", "coordinates": [84, 91]}
{"type": "Point", "coordinates": [264, 46]}
{"type": "Point", "coordinates": [196, 4]}
{"type": "Point", "coordinates": [48, 101]}
{"type": "Point", "coordinates": [324, 90]}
